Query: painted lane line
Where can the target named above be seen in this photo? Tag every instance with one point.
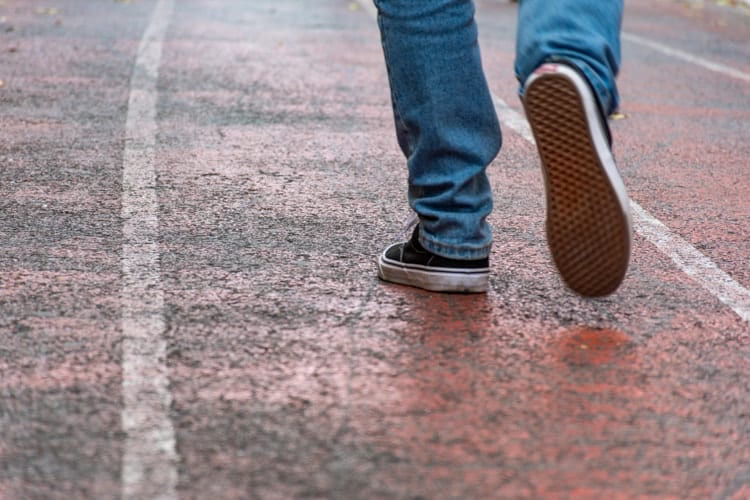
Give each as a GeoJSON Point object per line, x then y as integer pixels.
{"type": "Point", "coordinates": [686, 56]}
{"type": "Point", "coordinates": [513, 119]}
{"type": "Point", "coordinates": [149, 463]}
{"type": "Point", "coordinates": [369, 7]}
{"type": "Point", "coordinates": [693, 263]}
{"type": "Point", "coordinates": [686, 257]}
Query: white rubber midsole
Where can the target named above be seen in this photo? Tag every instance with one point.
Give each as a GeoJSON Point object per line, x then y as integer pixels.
{"type": "Point", "coordinates": [434, 279]}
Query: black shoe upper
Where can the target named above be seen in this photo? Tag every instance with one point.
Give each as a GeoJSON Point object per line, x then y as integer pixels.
{"type": "Point", "coordinates": [412, 252]}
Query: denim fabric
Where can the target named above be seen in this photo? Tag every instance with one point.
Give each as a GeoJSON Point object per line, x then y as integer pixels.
{"type": "Point", "coordinates": [444, 114]}
{"type": "Point", "coordinates": [585, 33]}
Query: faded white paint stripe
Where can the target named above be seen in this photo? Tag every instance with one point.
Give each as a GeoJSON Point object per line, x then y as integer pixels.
{"type": "Point", "coordinates": [687, 258]}
{"type": "Point", "coordinates": [369, 6]}
{"type": "Point", "coordinates": [693, 263]}
{"type": "Point", "coordinates": [149, 464]}
{"type": "Point", "coordinates": [513, 119]}
{"type": "Point", "coordinates": [686, 57]}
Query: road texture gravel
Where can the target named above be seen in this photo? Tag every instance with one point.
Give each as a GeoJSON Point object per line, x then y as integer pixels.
{"type": "Point", "coordinates": [193, 194]}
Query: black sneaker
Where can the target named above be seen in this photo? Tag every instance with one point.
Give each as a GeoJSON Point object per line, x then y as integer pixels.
{"type": "Point", "coordinates": [408, 263]}
{"type": "Point", "coordinates": [588, 212]}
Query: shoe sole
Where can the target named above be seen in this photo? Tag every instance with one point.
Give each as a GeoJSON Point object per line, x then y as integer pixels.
{"type": "Point", "coordinates": [588, 212]}
{"type": "Point", "coordinates": [435, 280]}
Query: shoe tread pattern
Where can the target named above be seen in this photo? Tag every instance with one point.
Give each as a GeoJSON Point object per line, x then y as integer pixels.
{"type": "Point", "coordinates": [588, 233]}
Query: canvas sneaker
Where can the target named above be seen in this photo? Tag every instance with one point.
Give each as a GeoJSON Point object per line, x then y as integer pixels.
{"type": "Point", "coordinates": [409, 263]}
{"type": "Point", "coordinates": [588, 212]}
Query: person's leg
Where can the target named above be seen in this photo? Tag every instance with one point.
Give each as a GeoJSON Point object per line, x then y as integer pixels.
{"type": "Point", "coordinates": [445, 120]}
{"type": "Point", "coordinates": [567, 58]}
{"type": "Point", "coordinates": [584, 33]}
{"type": "Point", "coordinates": [447, 128]}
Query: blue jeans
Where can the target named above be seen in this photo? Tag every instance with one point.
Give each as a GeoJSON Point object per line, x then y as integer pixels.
{"type": "Point", "coordinates": [444, 113]}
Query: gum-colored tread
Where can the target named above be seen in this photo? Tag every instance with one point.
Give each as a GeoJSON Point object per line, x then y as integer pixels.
{"type": "Point", "coordinates": [588, 233]}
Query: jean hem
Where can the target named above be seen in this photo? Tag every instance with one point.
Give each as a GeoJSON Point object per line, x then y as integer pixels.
{"type": "Point", "coordinates": [605, 100]}
{"type": "Point", "coordinates": [455, 252]}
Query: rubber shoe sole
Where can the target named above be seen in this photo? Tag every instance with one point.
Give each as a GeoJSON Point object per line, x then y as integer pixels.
{"type": "Point", "coordinates": [433, 278]}
{"type": "Point", "coordinates": [588, 212]}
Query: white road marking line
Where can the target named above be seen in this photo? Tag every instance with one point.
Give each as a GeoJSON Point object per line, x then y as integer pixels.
{"type": "Point", "coordinates": [369, 7]}
{"type": "Point", "coordinates": [686, 56]}
{"type": "Point", "coordinates": [693, 263]}
{"type": "Point", "coordinates": [687, 258]}
{"type": "Point", "coordinates": [149, 464]}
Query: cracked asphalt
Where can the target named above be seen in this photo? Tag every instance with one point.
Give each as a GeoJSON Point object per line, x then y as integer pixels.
{"type": "Point", "coordinates": [292, 371]}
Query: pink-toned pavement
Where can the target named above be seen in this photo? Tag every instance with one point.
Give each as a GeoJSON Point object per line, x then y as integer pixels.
{"type": "Point", "coordinates": [293, 372]}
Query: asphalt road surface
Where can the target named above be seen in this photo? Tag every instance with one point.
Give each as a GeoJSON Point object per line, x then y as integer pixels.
{"type": "Point", "coordinates": [193, 194]}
